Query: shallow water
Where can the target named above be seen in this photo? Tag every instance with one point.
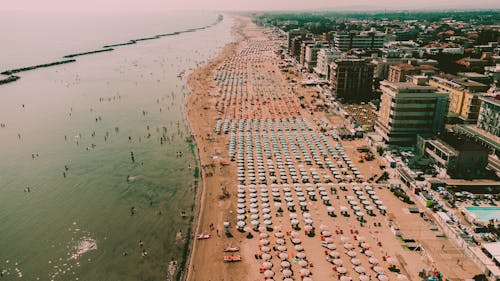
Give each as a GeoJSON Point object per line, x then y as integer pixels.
{"type": "Point", "coordinates": [89, 116]}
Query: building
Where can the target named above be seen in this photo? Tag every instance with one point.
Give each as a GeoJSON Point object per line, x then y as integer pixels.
{"type": "Point", "coordinates": [408, 109]}
{"type": "Point", "coordinates": [472, 64]}
{"type": "Point", "coordinates": [294, 33]}
{"type": "Point", "coordinates": [363, 40]}
{"type": "Point", "coordinates": [303, 47]}
{"type": "Point", "coordinates": [324, 58]}
{"type": "Point", "coordinates": [489, 115]}
{"type": "Point", "coordinates": [463, 93]}
{"type": "Point", "coordinates": [311, 56]}
{"type": "Point", "coordinates": [474, 76]}
{"type": "Point", "coordinates": [351, 79]}
{"type": "Point", "coordinates": [493, 72]}
{"type": "Point", "coordinates": [382, 64]}
{"type": "Point", "coordinates": [399, 72]}
{"type": "Point", "coordinates": [459, 155]}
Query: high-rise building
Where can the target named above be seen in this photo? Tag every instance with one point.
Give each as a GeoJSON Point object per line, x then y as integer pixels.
{"type": "Point", "coordinates": [408, 109]}
{"type": "Point", "coordinates": [363, 40]}
{"type": "Point", "coordinates": [325, 57]}
{"type": "Point", "coordinates": [303, 47]}
{"type": "Point", "coordinates": [489, 115]}
{"type": "Point", "coordinates": [311, 56]}
{"type": "Point", "coordinates": [351, 79]}
{"type": "Point", "coordinates": [463, 94]}
{"type": "Point", "coordinates": [294, 33]}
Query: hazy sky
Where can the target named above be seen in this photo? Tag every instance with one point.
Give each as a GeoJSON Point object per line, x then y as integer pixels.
{"type": "Point", "coordinates": [245, 4]}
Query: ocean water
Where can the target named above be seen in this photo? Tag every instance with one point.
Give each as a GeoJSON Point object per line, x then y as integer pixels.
{"type": "Point", "coordinates": [67, 210]}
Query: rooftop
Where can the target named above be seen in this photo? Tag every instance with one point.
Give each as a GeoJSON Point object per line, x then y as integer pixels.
{"type": "Point", "coordinates": [460, 143]}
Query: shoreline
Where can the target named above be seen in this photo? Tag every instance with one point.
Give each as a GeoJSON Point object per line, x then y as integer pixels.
{"type": "Point", "coordinates": [201, 75]}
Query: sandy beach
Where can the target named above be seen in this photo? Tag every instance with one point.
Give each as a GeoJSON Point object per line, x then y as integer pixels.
{"type": "Point", "coordinates": [271, 170]}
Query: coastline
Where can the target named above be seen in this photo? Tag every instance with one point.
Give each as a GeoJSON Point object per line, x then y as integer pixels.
{"type": "Point", "coordinates": [199, 84]}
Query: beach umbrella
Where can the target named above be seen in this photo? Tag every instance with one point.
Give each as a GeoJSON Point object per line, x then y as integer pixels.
{"type": "Point", "coordinates": [266, 257]}
{"type": "Point", "coordinates": [265, 249]}
{"type": "Point", "coordinates": [279, 235]}
{"type": "Point", "coordinates": [351, 253]}
{"type": "Point", "coordinates": [281, 248]}
{"type": "Point", "coordinates": [294, 234]}
{"type": "Point", "coordinates": [369, 253]}
{"type": "Point", "coordinates": [268, 222]}
{"type": "Point", "coordinates": [255, 222]}
{"type": "Point", "coordinates": [280, 241]}
{"type": "Point", "coordinates": [301, 255]}
{"type": "Point", "coordinates": [359, 269]}
{"type": "Point", "coordinates": [360, 214]}
{"type": "Point", "coordinates": [345, 278]}
{"type": "Point", "coordinates": [308, 221]}
{"type": "Point", "coordinates": [285, 264]}
{"type": "Point", "coordinates": [283, 256]}
{"type": "Point", "coordinates": [308, 228]}
{"type": "Point", "coordinates": [341, 269]}
{"type": "Point", "coordinates": [356, 208]}
{"type": "Point", "coordinates": [355, 261]}
{"type": "Point", "coordinates": [304, 272]}
{"type": "Point", "coordinates": [240, 224]}
{"type": "Point", "coordinates": [287, 273]}
{"type": "Point", "coordinates": [241, 217]}
{"type": "Point", "coordinates": [262, 229]}
{"type": "Point", "coordinates": [293, 215]}
{"type": "Point", "coordinates": [331, 246]}
{"type": "Point", "coordinates": [254, 217]}
{"type": "Point", "coordinates": [307, 279]}
{"type": "Point", "coordinates": [383, 277]}
{"type": "Point", "coordinates": [264, 242]}
{"type": "Point", "coordinates": [364, 278]}
{"type": "Point", "coordinates": [268, 273]}
{"type": "Point", "coordinates": [338, 262]}
{"type": "Point", "coordinates": [360, 238]}
{"type": "Point", "coordinates": [329, 240]}
{"type": "Point", "coordinates": [267, 265]}
{"type": "Point", "coordinates": [373, 260]}
{"type": "Point", "coordinates": [254, 211]}
{"type": "Point", "coordinates": [365, 245]}
{"type": "Point", "coordinates": [294, 222]}
{"type": "Point", "coordinates": [299, 248]}
{"type": "Point", "coordinates": [326, 233]}
{"type": "Point", "coordinates": [334, 254]}
{"type": "Point", "coordinates": [344, 238]}
{"type": "Point", "coordinates": [302, 263]}
{"type": "Point", "coordinates": [240, 211]}
{"type": "Point", "coordinates": [378, 269]}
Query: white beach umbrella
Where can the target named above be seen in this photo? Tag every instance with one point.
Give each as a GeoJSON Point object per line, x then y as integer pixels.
{"type": "Point", "coordinates": [351, 253]}
{"type": "Point", "coordinates": [268, 273]}
{"type": "Point", "coordinates": [267, 265]}
{"type": "Point", "coordinates": [341, 269]}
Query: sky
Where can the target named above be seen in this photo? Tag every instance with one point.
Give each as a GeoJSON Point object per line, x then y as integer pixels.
{"type": "Point", "coordinates": [219, 5]}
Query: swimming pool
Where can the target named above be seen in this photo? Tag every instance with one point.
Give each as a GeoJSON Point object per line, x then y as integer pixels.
{"type": "Point", "coordinates": [485, 213]}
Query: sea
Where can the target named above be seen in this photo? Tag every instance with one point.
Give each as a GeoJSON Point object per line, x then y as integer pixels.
{"type": "Point", "coordinates": [96, 163]}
